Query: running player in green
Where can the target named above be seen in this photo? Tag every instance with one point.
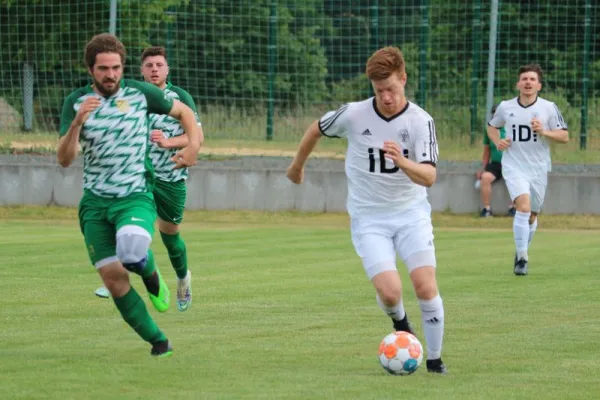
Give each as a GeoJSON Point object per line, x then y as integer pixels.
{"type": "Point", "coordinates": [169, 191]}
{"type": "Point", "coordinates": [109, 118]}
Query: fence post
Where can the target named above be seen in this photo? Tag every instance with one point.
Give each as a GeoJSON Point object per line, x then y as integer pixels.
{"type": "Point", "coordinates": [424, 45]}
{"type": "Point", "coordinates": [476, 35]}
{"type": "Point", "coordinates": [587, 26]}
{"type": "Point", "coordinates": [374, 35]}
{"type": "Point", "coordinates": [112, 22]}
{"type": "Point", "coordinates": [272, 49]}
{"type": "Point", "coordinates": [28, 79]}
{"type": "Point", "coordinates": [491, 61]}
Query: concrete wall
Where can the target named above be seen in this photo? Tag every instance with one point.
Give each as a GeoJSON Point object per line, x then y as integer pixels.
{"type": "Point", "coordinates": [260, 184]}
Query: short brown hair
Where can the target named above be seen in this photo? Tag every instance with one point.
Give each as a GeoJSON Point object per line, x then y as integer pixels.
{"type": "Point", "coordinates": [532, 68]}
{"type": "Point", "coordinates": [153, 51]}
{"type": "Point", "coordinates": [103, 43]}
{"type": "Point", "coordinates": [384, 63]}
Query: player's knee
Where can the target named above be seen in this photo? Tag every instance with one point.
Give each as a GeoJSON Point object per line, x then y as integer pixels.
{"type": "Point", "coordinates": [390, 295]}
{"type": "Point", "coordinates": [424, 282]}
{"type": "Point", "coordinates": [116, 280]}
{"type": "Point", "coordinates": [523, 204]}
{"type": "Point", "coordinates": [426, 289]}
{"type": "Point", "coordinates": [487, 178]}
{"type": "Point", "coordinates": [133, 243]}
{"type": "Point", "coordinates": [167, 228]}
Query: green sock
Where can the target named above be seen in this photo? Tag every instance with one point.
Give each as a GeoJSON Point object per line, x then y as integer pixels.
{"type": "Point", "coordinates": [177, 253]}
{"type": "Point", "coordinates": [136, 314]}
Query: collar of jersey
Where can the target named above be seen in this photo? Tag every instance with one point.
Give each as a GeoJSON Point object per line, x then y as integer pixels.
{"type": "Point", "coordinates": [519, 102]}
{"type": "Point", "coordinates": [386, 119]}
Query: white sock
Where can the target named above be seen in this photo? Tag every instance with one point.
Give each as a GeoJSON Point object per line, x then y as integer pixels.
{"type": "Point", "coordinates": [396, 312]}
{"type": "Point", "coordinates": [432, 313]}
{"type": "Point", "coordinates": [521, 233]}
{"type": "Point", "coordinates": [532, 229]}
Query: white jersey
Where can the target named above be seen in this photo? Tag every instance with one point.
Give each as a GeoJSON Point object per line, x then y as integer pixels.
{"type": "Point", "coordinates": [528, 152]}
{"type": "Point", "coordinates": [375, 184]}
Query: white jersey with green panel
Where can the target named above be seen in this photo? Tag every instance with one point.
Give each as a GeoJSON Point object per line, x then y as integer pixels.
{"type": "Point", "coordinates": [170, 127]}
{"type": "Point", "coordinates": [114, 138]}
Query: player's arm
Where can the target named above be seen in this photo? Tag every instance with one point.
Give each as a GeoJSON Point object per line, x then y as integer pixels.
{"type": "Point", "coordinates": [493, 129]}
{"type": "Point", "coordinates": [494, 135]}
{"type": "Point", "coordinates": [187, 118]}
{"type": "Point", "coordinates": [295, 171]}
{"type": "Point", "coordinates": [332, 124]}
{"type": "Point", "coordinates": [187, 156]}
{"type": "Point", "coordinates": [422, 173]}
{"type": "Point", "coordinates": [159, 103]}
{"type": "Point", "coordinates": [558, 131]}
{"type": "Point", "coordinates": [177, 142]}
{"type": "Point", "coordinates": [559, 136]}
{"type": "Point", "coordinates": [70, 129]}
{"type": "Point", "coordinates": [181, 141]}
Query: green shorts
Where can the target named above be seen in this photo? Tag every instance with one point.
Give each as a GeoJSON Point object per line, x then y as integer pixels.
{"type": "Point", "coordinates": [170, 200]}
{"type": "Point", "coordinates": [100, 218]}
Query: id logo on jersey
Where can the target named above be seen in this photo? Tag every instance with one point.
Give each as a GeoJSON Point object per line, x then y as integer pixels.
{"type": "Point", "coordinates": [382, 166]}
{"type": "Point", "coordinates": [525, 134]}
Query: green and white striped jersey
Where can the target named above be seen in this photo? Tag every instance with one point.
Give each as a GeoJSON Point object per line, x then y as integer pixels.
{"type": "Point", "coordinates": [114, 138]}
{"type": "Point", "coordinates": [170, 127]}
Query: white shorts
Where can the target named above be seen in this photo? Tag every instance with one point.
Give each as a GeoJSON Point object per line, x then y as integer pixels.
{"type": "Point", "coordinates": [519, 183]}
{"type": "Point", "coordinates": [409, 233]}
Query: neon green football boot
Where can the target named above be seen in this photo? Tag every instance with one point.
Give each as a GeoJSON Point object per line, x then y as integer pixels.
{"type": "Point", "coordinates": [158, 291]}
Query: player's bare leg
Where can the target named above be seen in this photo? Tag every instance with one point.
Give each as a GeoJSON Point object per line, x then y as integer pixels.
{"type": "Point", "coordinates": [487, 178]}
{"type": "Point", "coordinates": [432, 313]}
{"type": "Point", "coordinates": [176, 248]}
{"type": "Point", "coordinates": [389, 297]}
{"type": "Point", "coordinates": [521, 230]}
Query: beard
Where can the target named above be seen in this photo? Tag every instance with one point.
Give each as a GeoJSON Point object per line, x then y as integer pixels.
{"type": "Point", "coordinates": [104, 90]}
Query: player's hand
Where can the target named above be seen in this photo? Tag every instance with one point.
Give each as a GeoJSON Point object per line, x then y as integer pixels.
{"type": "Point", "coordinates": [185, 157]}
{"type": "Point", "coordinates": [295, 174]}
{"type": "Point", "coordinates": [88, 105]}
{"type": "Point", "coordinates": [479, 173]}
{"type": "Point", "coordinates": [393, 151]}
{"type": "Point", "coordinates": [156, 136]}
{"type": "Point", "coordinates": [537, 126]}
{"type": "Point", "coordinates": [503, 144]}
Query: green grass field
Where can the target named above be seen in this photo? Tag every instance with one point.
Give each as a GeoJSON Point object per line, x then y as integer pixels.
{"type": "Point", "coordinates": [282, 309]}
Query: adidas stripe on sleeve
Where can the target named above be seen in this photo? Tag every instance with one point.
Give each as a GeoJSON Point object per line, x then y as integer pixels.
{"type": "Point", "coordinates": [426, 146]}
{"type": "Point", "coordinates": [557, 121]}
{"type": "Point", "coordinates": [333, 123]}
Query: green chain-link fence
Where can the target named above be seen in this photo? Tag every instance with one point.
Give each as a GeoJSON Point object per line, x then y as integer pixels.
{"type": "Point", "coordinates": [265, 69]}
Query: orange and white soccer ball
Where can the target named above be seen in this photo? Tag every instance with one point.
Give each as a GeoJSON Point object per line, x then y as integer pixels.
{"type": "Point", "coordinates": [400, 353]}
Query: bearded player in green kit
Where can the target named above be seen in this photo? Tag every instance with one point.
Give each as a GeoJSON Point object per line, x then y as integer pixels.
{"type": "Point", "coordinates": [109, 118]}
{"type": "Point", "coordinates": [169, 191]}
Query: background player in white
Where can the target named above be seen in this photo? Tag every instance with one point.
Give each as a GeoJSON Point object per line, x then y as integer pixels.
{"type": "Point", "coordinates": [391, 158]}
{"type": "Point", "coordinates": [530, 123]}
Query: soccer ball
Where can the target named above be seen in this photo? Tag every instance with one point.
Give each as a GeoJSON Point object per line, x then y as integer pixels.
{"type": "Point", "coordinates": [400, 353]}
